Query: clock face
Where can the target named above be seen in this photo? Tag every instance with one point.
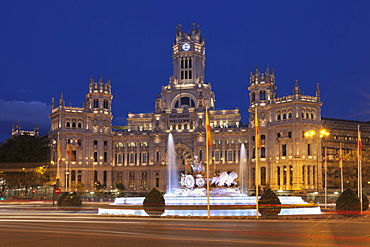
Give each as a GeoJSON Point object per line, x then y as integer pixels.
{"type": "Point", "coordinates": [186, 47]}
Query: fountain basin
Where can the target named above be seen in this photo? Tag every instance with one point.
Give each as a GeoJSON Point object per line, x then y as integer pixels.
{"type": "Point", "coordinates": [219, 206]}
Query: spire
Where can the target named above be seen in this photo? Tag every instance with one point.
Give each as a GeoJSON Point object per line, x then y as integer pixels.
{"type": "Point", "coordinates": [61, 100]}
{"type": "Point", "coordinates": [52, 104]}
{"type": "Point", "coordinates": [296, 88]}
{"type": "Point", "coordinates": [318, 90]}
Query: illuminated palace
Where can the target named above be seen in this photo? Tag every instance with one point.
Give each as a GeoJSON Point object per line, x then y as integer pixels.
{"type": "Point", "coordinates": [94, 153]}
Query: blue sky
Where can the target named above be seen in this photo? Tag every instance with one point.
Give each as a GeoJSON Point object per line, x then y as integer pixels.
{"type": "Point", "coordinates": [49, 47]}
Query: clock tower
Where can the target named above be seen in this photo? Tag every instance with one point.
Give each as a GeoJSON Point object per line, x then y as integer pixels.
{"type": "Point", "coordinates": [188, 53]}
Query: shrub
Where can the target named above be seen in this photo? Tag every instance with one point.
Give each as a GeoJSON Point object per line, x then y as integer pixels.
{"type": "Point", "coordinates": [365, 201]}
{"type": "Point", "coordinates": [70, 201]}
{"type": "Point", "coordinates": [154, 203]}
{"type": "Point", "coordinates": [269, 204]}
{"type": "Point", "coordinates": [348, 202]}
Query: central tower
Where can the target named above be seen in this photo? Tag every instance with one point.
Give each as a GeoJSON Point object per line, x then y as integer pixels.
{"type": "Point", "coordinates": [188, 53]}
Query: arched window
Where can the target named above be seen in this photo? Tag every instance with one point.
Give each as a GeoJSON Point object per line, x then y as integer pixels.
{"type": "Point", "coordinates": [262, 95]}
{"type": "Point", "coordinates": [95, 156]}
{"type": "Point", "coordinates": [79, 125]}
{"type": "Point", "coordinates": [290, 115]}
{"type": "Point", "coordinates": [279, 117]}
{"type": "Point", "coordinates": [253, 97]}
{"type": "Point", "coordinates": [96, 103]}
{"type": "Point", "coordinates": [68, 125]}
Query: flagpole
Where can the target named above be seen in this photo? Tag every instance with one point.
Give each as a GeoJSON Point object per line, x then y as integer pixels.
{"type": "Point", "coordinates": [58, 158]}
{"type": "Point", "coordinates": [256, 139]}
{"type": "Point", "coordinates": [359, 157]}
{"type": "Point", "coordinates": [207, 160]}
{"type": "Point", "coordinates": [341, 166]}
{"type": "Point", "coordinates": [325, 174]}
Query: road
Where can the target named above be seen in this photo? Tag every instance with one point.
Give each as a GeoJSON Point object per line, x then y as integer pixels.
{"type": "Point", "coordinates": [34, 228]}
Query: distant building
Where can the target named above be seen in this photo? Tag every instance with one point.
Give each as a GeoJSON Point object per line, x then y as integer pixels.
{"type": "Point", "coordinates": [93, 153]}
{"type": "Point", "coordinates": [16, 130]}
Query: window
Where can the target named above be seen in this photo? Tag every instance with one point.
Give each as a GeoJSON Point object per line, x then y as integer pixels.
{"type": "Point", "coordinates": [95, 156]}
{"type": "Point", "coordinates": [217, 155]}
{"type": "Point", "coordinates": [106, 104]}
{"type": "Point", "coordinates": [283, 147]}
{"type": "Point", "coordinates": [309, 149]}
{"type": "Point", "coordinates": [229, 155]}
{"type": "Point", "coordinates": [157, 156]}
{"type": "Point", "coordinates": [290, 134]}
{"type": "Point", "coordinates": [74, 155]}
{"type": "Point", "coordinates": [68, 125]}
{"type": "Point", "coordinates": [144, 181]}
{"type": "Point", "coordinates": [278, 117]}
{"type": "Point", "coordinates": [278, 175]}
{"type": "Point", "coordinates": [290, 115]}
{"type": "Point", "coordinates": [95, 142]}
{"type": "Point", "coordinates": [263, 175]}
{"type": "Point", "coordinates": [132, 158]}
{"type": "Point", "coordinates": [131, 182]}
{"type": "Point", "coordinates": [105, 157]}
{"type": "Point", "coordinates": [73, 176]}
{"type": "Point", "coordinates": [144, 159]}
{"type": "Point", "coordinates": [96, 103]}
{"type": "Point", "coordinates": [263, 152]}
{"type": "Point", "coordinates": [79, 176]}
{"type": "Point", "coordinates": [253, 97]}
{"type": "Point", "coordinates": [95, 176]}
{"type": "Point", "coordinates": [105, 178]}
{"type": "Point", "coordinates": [120, 159]}
{"type": "Point", "coordinates": [262, 95]}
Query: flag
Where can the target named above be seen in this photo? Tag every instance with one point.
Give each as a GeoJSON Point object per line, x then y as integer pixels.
{"type": "Point", "coordinates": [257, 131]}
{"type": "Point", "coordinates": [208, 130]}
{"type": "Point", "coordinates": [59, 150]}
{"type": "Point", "coordinates": [359, 144]}
{"type": "Point", "coordinates": [69, 152]}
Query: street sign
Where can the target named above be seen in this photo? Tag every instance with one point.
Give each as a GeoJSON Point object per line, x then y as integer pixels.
{"type": "Point", "coordinates": [57, 191]}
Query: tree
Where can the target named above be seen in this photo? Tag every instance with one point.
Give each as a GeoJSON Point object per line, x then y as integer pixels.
{"type": "Point", "coordinates": [269, 204]}
{"type": "Point", "coordinates": [24, 148]}
{"type": "Point", "coordinates": [154, 203]}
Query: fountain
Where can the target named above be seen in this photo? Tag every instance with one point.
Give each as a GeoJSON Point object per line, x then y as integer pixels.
{"type": "Point", "coordinates": [227, 198]}
{"type": "Point", "coordinates": [172, 174]}
{"type": "Point", "coordinates": [243, 165]}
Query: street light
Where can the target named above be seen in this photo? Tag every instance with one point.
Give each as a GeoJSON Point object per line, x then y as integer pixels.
{"type": "Point", "coordinates": [322, 133]}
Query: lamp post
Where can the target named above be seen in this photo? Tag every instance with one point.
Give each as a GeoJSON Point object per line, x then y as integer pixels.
{"type": "Point", "coordinates": [322, 133]}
